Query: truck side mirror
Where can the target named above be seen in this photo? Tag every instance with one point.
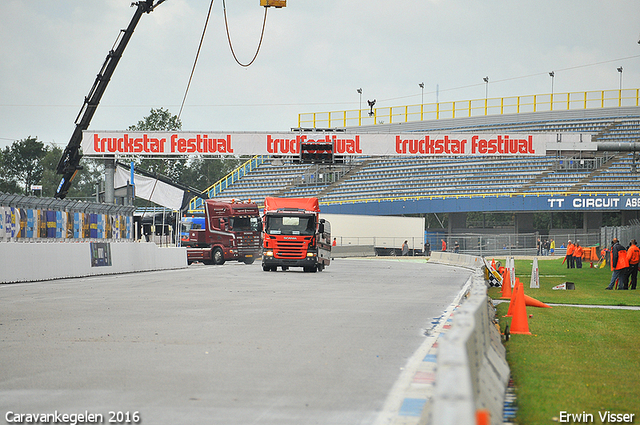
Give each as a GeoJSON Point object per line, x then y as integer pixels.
{"type": "Point", "coordinates": [321, 227]}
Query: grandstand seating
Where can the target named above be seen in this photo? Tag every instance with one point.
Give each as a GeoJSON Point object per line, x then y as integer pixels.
{"type": "Point", "coordinates": [411, 177]}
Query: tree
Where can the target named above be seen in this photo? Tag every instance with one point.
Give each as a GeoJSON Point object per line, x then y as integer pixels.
{"type": "Point", "coordinates": [50, 179]}
{"type": "Point", "coordinates": [205, 171]}
{"type": "Point", "coordinates": [22, 162]}
{"type": "Point", "coordinates": [198, 172]}
{"type": "Point", "coordinates": [7, 181]}
{"type": "Point", "coordinates": [161, 120]}
{"type": "Point", "coordinates": [158, 119]}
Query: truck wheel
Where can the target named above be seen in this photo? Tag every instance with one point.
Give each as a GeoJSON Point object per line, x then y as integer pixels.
{"type": "Point", "coordinates": [218, 256]}
{"type": "Point", "coordinates": [311, 269]}
{"type": "Point", "coordinates": [266, 268]}
{"type": "Point", "coordinates": [249, 260]}
{"type": "Point", "coordinates": [320, 267]}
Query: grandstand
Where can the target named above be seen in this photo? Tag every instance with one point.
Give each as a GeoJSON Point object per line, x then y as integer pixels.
{"type": "Point", "coordinates": [419, 185]}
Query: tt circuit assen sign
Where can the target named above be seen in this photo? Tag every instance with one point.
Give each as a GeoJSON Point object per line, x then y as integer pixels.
{"type": "Point", "coordinates": [240, 143]}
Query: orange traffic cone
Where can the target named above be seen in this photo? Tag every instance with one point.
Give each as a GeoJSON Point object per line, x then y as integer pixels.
{"type": "Point", "coordinates": [513, 299]}
{"type": "Point", "coordinates": [483, 417]}
{"type": "Point", "coordinates": [532, 302]}
{"type": "Point", "coordinates": [493, 263]}
{"type": "Point", "coordinates": [520, 322]}
{"type": "Point", "coordinates": [506, 285]}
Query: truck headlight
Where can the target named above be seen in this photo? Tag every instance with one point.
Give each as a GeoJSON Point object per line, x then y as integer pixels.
{"type": "Point", "coordinates": [268, 253]}
{"type": "Point", "coordinates": [311, 254]}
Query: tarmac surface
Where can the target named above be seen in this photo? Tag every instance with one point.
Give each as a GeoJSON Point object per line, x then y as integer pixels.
{"type": "Point", "coordinates": [224, 344]}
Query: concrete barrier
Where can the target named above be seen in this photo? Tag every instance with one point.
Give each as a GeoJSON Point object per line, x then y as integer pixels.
{"type": "Point", "coordinates": [472, 371]}
{"type": "Point", "coordinates": [25, 262]}
{"type": "Point", "coordinates": [453, 259]}
{"type": "Point", "coordinates": [346, 251]}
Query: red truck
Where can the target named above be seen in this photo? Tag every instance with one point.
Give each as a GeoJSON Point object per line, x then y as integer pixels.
{"type": "Point", "coordinates": [295, 235]}
{"type": "Point", "coordinates": [231, 231]}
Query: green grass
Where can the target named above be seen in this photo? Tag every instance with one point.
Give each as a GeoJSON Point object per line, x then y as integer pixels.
{"type": "Point", "coordinates": [577, 359]}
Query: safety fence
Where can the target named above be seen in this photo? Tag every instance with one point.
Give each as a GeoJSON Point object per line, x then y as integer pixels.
{"type": "Point", "coordinates": [34, 219]}
{"type": "Point", "coordinates": [470, 108]}
{"type": "Point", "coordinates": [500, 245]}
{"type": "Point", "coordinates": [385, 245]}
{"type": "Point", "coordinates": [623, 233]}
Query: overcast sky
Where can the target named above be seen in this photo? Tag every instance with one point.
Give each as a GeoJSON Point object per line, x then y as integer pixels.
{"type": "Point", "coordinates": [314, 56]}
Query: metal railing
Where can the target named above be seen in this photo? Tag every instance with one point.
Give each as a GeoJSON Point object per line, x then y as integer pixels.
{"type": "Point", "coordinates": [196, 204]}
{"type": "Point", "coordinates": [470, 108]}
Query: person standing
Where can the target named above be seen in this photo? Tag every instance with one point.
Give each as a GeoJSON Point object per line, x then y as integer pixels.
{"type": "Point", "coordinates": [405, 248]}
{"type": "Point", "coordinates": [444, 245]}
{"type": "Point", "coordinates": [456, 247]}
{"type": "Point", "coordinates": [570, 248]}
{"type": "Point", "coordinates": [427, 249]}
{"type": "Point", "coordinates": [547, 247]}
{"type": "Point", "coordinates": [552, 246]}
{"type": "Point", "coordinates": [633, 255]}
{"type": "Point", "coordinates": [619, 265]}
{"type": "Point", "coordinates": [578, 253]}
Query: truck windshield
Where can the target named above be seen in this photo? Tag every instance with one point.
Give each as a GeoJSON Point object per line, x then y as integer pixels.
{"type": "Point", "coordinates": [191, 223]}
{"type": "Point", "coordinates": [290, 225]}
{"type": "Point", "coordinates": [245, 224]}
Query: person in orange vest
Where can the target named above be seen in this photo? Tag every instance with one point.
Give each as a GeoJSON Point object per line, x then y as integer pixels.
{"type": "Point", "coordinates": [633, 255]}
{"type": "Point", "coordinates": [619, 265]}
{"type": "Point", "coordinates": [578, 253]}
{"type": "Point", "coordinates": [444, 245]}
{"type": "Point", "coordinates": [570, 260]}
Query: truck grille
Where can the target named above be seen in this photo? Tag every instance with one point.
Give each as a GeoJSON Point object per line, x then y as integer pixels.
{"type": "Point", "coordinates": [248, 244]}
{"type": "Point", "coordinates": [290, 250]}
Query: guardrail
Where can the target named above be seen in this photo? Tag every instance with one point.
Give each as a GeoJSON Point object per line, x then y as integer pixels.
{"type": "Point", "coordinates": [475, 107]}
{"type": "Point", "coordinates": [472, 372]}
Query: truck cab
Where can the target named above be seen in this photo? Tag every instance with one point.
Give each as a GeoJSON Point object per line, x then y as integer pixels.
{"type": "Point", "coordinates": [231, 231]}
{"type": "Point", "coordinates": [294, 235]}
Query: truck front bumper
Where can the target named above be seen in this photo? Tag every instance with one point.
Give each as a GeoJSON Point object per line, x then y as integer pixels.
{"type": "Point", "coordinates": [270, 260]}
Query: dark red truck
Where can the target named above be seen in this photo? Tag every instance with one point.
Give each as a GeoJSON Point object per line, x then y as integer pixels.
{"type": "Point", "coordinates": [231, 232]}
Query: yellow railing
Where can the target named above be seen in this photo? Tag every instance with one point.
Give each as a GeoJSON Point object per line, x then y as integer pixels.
{"type": "Point", "coordinates": [472, 108]}
{"type": "Point", "coordinates": [196, 203]}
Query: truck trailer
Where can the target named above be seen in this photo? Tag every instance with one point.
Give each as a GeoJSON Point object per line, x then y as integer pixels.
{"type": "Point", "coordinates": [295, 235]}
{"type": "Point", "coordinates": [385, 234]}
{"type": "Point", "coordinates": [231, 231]}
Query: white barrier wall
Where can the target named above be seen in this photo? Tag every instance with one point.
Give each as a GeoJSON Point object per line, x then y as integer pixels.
{"type": "Point", "coordinates": [453, 259]}
{"type": "Point", "coordinates": [24, 262]}
{"type": "Point", "coordinates": [472, 371]}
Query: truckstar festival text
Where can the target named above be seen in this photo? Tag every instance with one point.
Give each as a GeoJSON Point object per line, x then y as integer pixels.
{"type": "Point", "coordinates": [188, 143]}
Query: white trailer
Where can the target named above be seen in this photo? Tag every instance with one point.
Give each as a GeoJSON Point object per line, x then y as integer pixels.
{"type": "Point", "coordinates": [385, 233]}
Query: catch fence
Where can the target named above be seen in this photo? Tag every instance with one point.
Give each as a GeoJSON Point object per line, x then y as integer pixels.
{"type": "Point", "coordinates": [35, 219]}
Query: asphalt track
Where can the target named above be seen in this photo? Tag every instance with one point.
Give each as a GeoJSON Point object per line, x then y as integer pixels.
{"type": "Point", "coordinates": [224, 344]}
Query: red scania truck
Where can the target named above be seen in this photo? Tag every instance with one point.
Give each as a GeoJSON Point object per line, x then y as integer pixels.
{"type": "Point", "coordinates": [294, 235]}
{"type": "Point", "coordinates": [231, 231]}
